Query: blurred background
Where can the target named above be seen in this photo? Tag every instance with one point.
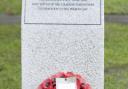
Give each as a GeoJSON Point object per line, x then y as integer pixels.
{"type": "Point", "coordinates": [116, 44]}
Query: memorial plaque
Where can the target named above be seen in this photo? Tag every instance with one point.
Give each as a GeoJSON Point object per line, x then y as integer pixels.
{"type": "Point", "coordinates": [62, 35]}
{"type": "Point", "coordinates": [79, 12]}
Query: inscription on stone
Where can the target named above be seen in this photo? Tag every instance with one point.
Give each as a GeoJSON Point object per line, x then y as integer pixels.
{"type": "Point", "coordinates": [71, 5]}
{"type": "Point", "coordinates": [63, 12]}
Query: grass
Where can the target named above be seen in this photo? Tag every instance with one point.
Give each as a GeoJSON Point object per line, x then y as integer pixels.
{"type": "Point", "coordinates": [116, 46]}
{"type": "Point", "coordinates": [10, 70]}
{"type": "Point", "coordinates": [116, 55]}
{"type": "Point", "coordinates": [10, 7]}
{"type": "Point", "coordinates": [116, 80]}
{"type": "Point", "coordinates": [111, 7]}
{"type": "Point", "coordinates": [116, 6]}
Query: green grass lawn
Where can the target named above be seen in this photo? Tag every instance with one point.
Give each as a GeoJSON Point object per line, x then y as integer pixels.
{"type": "Point", "coordinates": [116, 6]}
{"type": "Point", "coordinates": [116, 45]}
{"type": "Point", "coordinates": [10, 67]}
{"type": "Point", "coordinates": [10, 7]}
{"type": "Point", "coordinates": [116, 55]}
{"type": "Point", "coordinates": [111, 6]}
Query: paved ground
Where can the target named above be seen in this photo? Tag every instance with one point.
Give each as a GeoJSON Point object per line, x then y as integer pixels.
{"type": "Point", "coordinates": [117, 19]}
{"type": "Point", "coordinates": [5, 19]}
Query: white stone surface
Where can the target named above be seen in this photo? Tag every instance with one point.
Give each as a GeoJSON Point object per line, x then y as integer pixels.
{"type": "Point", "coordinates": [49, 49]}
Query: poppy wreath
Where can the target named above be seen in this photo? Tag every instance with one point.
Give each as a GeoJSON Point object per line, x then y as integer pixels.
{"type": "Point", "coordinates": [50, 83]}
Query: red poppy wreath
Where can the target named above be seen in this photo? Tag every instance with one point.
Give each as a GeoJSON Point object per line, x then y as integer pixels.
{"type": "Point", "coordinates": [50, 83]}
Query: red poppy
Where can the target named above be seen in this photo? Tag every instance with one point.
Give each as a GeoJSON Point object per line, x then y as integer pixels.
{"type": "Point", "coordinates": [50, 83]}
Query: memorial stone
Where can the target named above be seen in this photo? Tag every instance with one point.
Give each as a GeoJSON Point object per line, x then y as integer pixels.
{"type": "Point", "coordinates": [62, 35]}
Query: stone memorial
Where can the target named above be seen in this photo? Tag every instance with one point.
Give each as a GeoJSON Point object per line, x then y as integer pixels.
{"type": "Point", "coordinates": [62, 36]}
